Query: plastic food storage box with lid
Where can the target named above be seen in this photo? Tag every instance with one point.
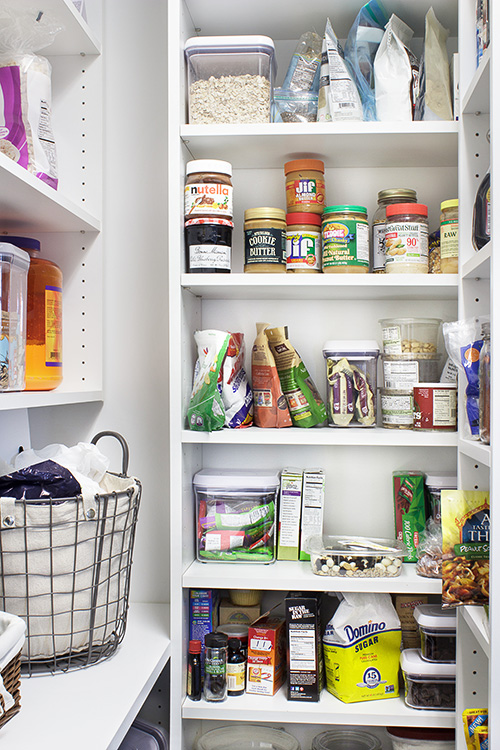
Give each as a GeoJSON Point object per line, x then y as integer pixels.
{"type": "Point", "coordinates": [236, 513]}
{"type": "Point", "coordinates": [14, 265]}
{"type": "Point", "coordinates": [247, 737]}
{"type": "Point", "coordinates": [421, 738]}
{"type": "Point", "coordinates": [410, 335]}
{"type": "Point", "coordinates": [428, 685]}
{"type": "Point", "coordinates": [230, 79]}
{"type": "Point", "coordinates": [434, 483]}
{"type": "Point", "coordinates": [355, 556]}
{"type": "Point", "coordinates": [438, 632]}
{"type": "Point", "coordinates": [351, 377]}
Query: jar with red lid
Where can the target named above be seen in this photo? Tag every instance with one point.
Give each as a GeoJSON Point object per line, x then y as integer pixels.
{"type": "Point", "coordinates": [305, 186]}
{"type": "Point", "coordinates": [303, 243]}
{"type": "Point", "coordinates": [406, 238]}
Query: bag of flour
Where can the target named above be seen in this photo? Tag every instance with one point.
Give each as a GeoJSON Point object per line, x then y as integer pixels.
{"type": "Point", "coordinates": [396, 73]}
{"type": "Point", "coordinates": [361, 646]}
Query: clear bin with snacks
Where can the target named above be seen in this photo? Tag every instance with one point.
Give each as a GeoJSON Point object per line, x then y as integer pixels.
{"type": "Point", "coordinates": [351, 377]}
{"type": "Point", "coordinates": [355, 556]}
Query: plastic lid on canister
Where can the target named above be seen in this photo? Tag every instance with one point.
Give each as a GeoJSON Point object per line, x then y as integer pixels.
{"type": "Point", "coordinates": [425, 734]}
{"type": "Point", "coordinates": [441, 480]}
{"type": "Point", "coordinates": [215, 640]}
{"type": "Point", "coordinates": [209, 165]}
{"type": "Point", "coordinates": [14, 255]}
{"type": "Point", "coordinates": [342, 208]}
{"type": "Point", "coordinates": [413, 664]}
{"type": "Point", "coordinates": [25, 243]}
{"type": "Point", "coordinates": [432, 616]}
{"type": "Point", "coordinates": [348, 346]}
{"type": "Point", "coordinates": [446, 386]}
{"type": "Point", "coordinates": [236, 43]}
{"type": "Point", "coordinates": [385, 195]}
{"type": "Point", "coordinates": [265, 212]}
{"type": "Point", "coordinates": [304, 164]}
{"type": "Point", "coordinates": [406, 208]}
{"type": "Point", "coordinates": [236, 479]}
{"type": "Point", "coordinates": [453, 203]}
{"type": "Point", "coordinates": [303, 218]}
{"type": "Point", "coordinates": [234, 630]}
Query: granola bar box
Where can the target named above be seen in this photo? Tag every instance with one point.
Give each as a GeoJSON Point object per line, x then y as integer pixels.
{"type": "Point", "coordinates": [409, 509]}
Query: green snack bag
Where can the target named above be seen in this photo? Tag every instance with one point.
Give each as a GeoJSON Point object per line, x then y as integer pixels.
{"type": "Point", "coordinates": [206, 408]}
{"type": "Point", "coordinates": [304, 402]}
{"type": "Point", "coordinates": [409, 509]}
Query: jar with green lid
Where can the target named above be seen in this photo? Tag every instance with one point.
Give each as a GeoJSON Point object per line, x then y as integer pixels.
{"type": "Point", "coordinates": [385, 198]}
{"type": "Point", "coordinates": [265, 240]}
{"type": "Point", "coordinates": [345, 233]}
{"type": "Point", "coordinates": [449, 236]}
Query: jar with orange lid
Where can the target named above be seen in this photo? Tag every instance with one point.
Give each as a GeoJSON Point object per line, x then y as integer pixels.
{"type": "Point", "coordinates": [406, 238]}
{"type": "Point", "coordinates": [265, 240]}
{"type": "Point", "coordinates": [305, 186]}
{"type": "Point", "coordinates": [303, 243]}
{"type": "Point", "coordinates": [448, 229]}
{"type": "Point", "coordinates": [346, 243]}
{"type": "Point", "coordinates": [43, 319]}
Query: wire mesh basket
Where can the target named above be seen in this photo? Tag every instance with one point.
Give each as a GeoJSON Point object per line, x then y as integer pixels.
{"type": "Point", "coordinates": [65, 570]}
{"type": "Point", "coordinates": [12, 635]}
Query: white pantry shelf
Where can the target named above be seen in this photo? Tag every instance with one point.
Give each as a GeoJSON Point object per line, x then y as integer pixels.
{"type": "Point", "coordinates": [75, 37]}
{"type": "Point", "coordinates": [479, 266]}
{"type": "Point", "coordinates": [357, 144]}
{"type": "Point", "coordinates": [36, 399]}
{"type": "Point", "coordinates": [475, 450]}
{"type": "Point", "coordinates": [477, 621]}
{"type": "Point", "coordinates": [322, 286]}
{"type": "Point", "coordinates": [329, 710]}
{"type": "Point", "coordinates": [285, 575]}
{"type": "Point", "coordinates": [376, 436]}
{"type": "Point", "coordinates": [477, 96]}
{"type": "Point", "coordinates": [94, 707]}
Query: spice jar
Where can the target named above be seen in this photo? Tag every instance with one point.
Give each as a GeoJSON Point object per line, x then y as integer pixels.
{"type": "Point", "coordinates": [385, 198]}
{"type": "Point", "coordinates": [449, 236]}
{"type": "Point", "coordinates": [208, 245]}
{"type": "Point", "coordinates": [265, 240]}
{"type": "Point", "coordinates": [208, 190]}
{"type": "Point", "coordinates": [303, 243]}
{"type": "Point", "coordinates": [345, 239]}
{"type": "Point", "coordinates": [406, 238]}
{"type": "Point", "coordinates": [484, 385]}
{"type": "Point", "coordinates": [305, 186]}
{"type": "Point", "coordinates": [215, 685]}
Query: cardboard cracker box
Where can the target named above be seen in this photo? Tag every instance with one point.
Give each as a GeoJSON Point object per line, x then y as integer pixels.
{"type": "Point", "coordinates": [290, 509]}
{"type": "Point", "coordinates": [313, 500]}
{"type": "Point", "coordinates": [266, 664]}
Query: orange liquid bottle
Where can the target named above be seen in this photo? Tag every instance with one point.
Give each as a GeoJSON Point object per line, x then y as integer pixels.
{"type": "Point", "coordinates": [44, 319]}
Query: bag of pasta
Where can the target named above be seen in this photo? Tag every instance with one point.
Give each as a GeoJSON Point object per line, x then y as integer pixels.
{"type": "Point", "coordinates": [465, 518]}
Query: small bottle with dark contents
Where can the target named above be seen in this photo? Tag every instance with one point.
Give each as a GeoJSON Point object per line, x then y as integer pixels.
{"type": "Point", "coordinates": [215, 685]}
{"type": "Point", "coordinates": [236, 668]}
{"type": "Point", "coordinates": [194, 671]}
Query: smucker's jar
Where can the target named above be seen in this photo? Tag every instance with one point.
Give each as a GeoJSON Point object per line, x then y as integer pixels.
{"type": "Point", "coordinates": [345, 239]}
{"type": "Point", "coordinates": [208, 245]}
{"type": "Point", "coordinates": [303, 243]}
{"type": "Point", "coordinates": [385, 198]}
{"type": "Point", "coordinates": [265, 240]}
{"type": "Point", "coordinates": [305, 186]}
{"type": "Point", "coordinates": [406, 238]}
{"type": "Point", "coordinates": [449, 236]}
{"type": "Point", "coordinates": [208, 190]}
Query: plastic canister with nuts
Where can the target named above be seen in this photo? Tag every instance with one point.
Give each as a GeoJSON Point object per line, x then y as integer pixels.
{"type": "Point", "coordinates": [406, 238]}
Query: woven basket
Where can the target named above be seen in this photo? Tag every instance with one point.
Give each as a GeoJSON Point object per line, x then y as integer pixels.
{"type": "Point", "coordinates": [11, 676]}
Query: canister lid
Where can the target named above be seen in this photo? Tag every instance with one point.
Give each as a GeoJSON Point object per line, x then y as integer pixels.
{"type": "Point", "coordinates": [413, 664]}
{"type": "Point", "coordinates": [209, 220]}
{"type": "Point", "coordinates": [241, 43]}
{"type": "Point", "coordinates": [432, 616]}
{"type": "Point", "coordinates": [303, 164]}
{"type": "Point", "coordinates": [406, 208]}
{"type": "Point", "coordinates": [236, 479]}
{"type": "Point", "coordinates": [25, 243]}
{"type": "Point", "coordinates": [441, 480]}
{"type": "Point", "coordinates": [449, 204]}
{"type": "Point", "coordinates": [14, 255]}
{"type": "Point", "coordinates": [345, 207]}
{"type": "Point", "coordinates": [303, 218]}
{"type": "Point", "coordinates": [404, 193]}
{"type": "Point", "coordinates": [264, 212]}
{"type": "Point", "coordinates": [209, 165]}
{"type": "Point", "coordinates": [216, 640]}
{"type": "Point", "coordinates": [343, 347]}
{"type": "Point", "coordinates": [444, 386]}
{"type": "Point", "coordinates": [234, 630]}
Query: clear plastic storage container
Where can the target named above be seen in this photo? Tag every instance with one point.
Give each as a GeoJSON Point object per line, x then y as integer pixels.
{"type": "Point", "coordinates": [346, 739]}
{"type": "Point", "coordinates": [14, 265]}
{"type": "Point", "coordinates": [434, 483]}
{"type": "Point", "coordinates": [247, 737]}
{"type": "Point", "coordinates": [230, 78]}
{"type": "Point", "coordinates": [236, 513]}
{"type": "Point", "coordinates": [428, 685]}
{"type": "Point", "coordinates": [351, 377]}
{"type": "Point", "coordinates": [438, 632]}
{"type": "Point", "coordinates": [355, 556]}
{"type": "Point", "coordinates": [410, 335]}
{"type": "Point", "coordinates": [421, 738]}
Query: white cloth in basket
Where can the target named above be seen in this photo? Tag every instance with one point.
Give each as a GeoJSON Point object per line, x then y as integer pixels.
{"type": "Point", "coordinates": [12, 636]}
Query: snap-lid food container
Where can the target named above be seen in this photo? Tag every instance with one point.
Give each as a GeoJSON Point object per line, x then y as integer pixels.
{"type": "Point", "coordinates": [351, 378]}
{"type": "Point", "coordinates": [14, 265]}
{"type": "Point", "coordinates": [230, 78]}
{"type": "Point", "coordinates": [438, 632]}
{"type": "Point", "coordinates": [428, 685]}
{"type": "Point", "coordinates": [410, 335]}
{"type": "Point", "coordinates": [434, 483]}
{"type": "Point", "coordinates": [247, 737]}
{"type": "Point", "coordinates": [236, 511]}
{"type": "Point", "coordinates": [421, 738]}
{"type": "Point", "coordinates": [346, 739]}
{"type": "Point", "coordinates": [355, 556]}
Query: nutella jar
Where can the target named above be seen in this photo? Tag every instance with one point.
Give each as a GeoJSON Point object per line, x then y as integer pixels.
{"type": "Point", "coordinates": [208, 191]}
{"type": "Point", "coordinates": [265, 236]}
{"type": "Point", "coordinates": [305, 186]}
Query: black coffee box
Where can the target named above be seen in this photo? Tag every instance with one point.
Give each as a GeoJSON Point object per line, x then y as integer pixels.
{"type": "Point", "coordinates": [304, 646]}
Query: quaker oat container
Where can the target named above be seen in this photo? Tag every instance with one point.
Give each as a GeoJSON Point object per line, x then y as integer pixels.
{"type": "Point", "coordinates": [351, 377]}
{"type": "Point", "coordinates": [346, 739]}
{"type": "Point", "coordinates": [265, 240]}
{"type": "Point", "coordinates": [345, 235]}
{"type": "Point", "coordinates": [303, 243]}
{"type": "Point", "coordinates": [434, 483]}
{"type": "Point", "coordinates": [247, 737]}
{"type": "Point", "coordinates": [406, 238]}
{"type": "Point", "coordinates": [428, 685]}
{"type": "Point", "coordinates": [421, 738]}
{"type": "Point", "coordinates": [230, 79]}
{"type": "Point", "coordinates": [438, 632]}
{"type": "Point", "coordinates": [385, 198]}
{"type": "Point", "coordinates": [305, 186]}
{"type": "Point", "coordinates": [14, 264]}
{"type": "Point", "coordinates": [235, 515]}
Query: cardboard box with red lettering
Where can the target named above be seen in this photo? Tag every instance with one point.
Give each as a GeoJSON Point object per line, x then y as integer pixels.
{"type": "Point", "coordinates": [266, 664]}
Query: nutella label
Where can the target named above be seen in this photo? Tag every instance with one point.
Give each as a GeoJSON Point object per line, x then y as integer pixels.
{"type": "Point", "coordinates": [208, 198]}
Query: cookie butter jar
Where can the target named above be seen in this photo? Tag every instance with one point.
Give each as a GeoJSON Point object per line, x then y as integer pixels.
{"type": "Point", "coordinates": [265, 249]}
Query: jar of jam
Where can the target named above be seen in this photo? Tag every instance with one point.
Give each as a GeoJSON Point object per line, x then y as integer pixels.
{"type": "Point", "coordinates": [208, 245]}
{"type": "Point", "coordinates": [265, 240]}
{"type": "Point", "coordinates": [385, 198]}
{"type": "Point", "coordinates": [208, 191]}
{"type": "Point", "coordinates": [406, 238]}
{"type": "Point", "coordinates": [345, 240]}
{"type": "Point", "coordinates": [449, 236]}
{"type": "Point", "coordinates": [305, 186]}
{"type": "Point", "coordinates": [303, 243]}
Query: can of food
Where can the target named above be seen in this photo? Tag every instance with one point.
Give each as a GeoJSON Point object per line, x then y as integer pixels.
{"type": "Point", "coordinates": [397, 409]}
{"type": "Point", "coordinates": [345, 240]}
{"type": "Point", "coordinates": [435, 407]}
